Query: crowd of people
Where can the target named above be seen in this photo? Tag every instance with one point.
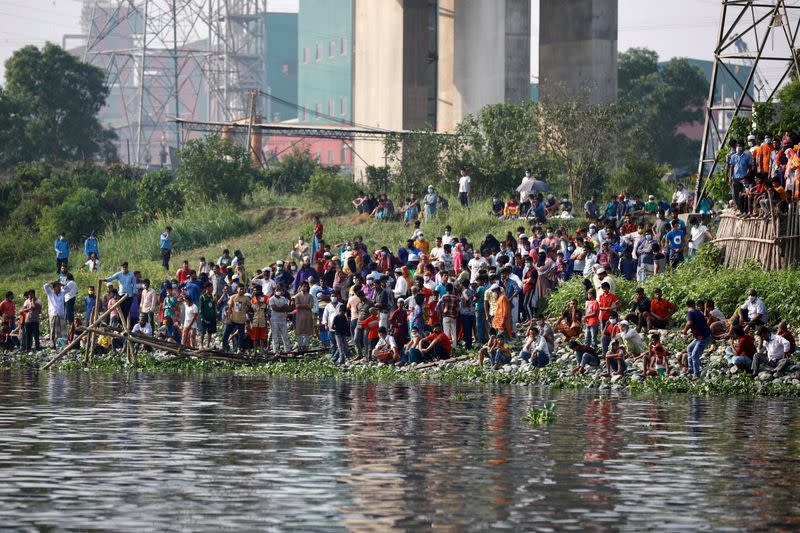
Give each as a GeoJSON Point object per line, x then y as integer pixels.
{"type": "Point", "coordinates": [428, 297]}
{"type": "Point", "coordinates": [764, 176]}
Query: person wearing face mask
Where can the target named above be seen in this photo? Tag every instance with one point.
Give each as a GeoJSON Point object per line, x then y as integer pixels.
{"type": "Point", "coordinates": [328, 314]}
{"type": "Point", "coordinates": [763, 155]}
{"type": "Point", "coordinates": [279, 306]}
{"type": "Point", "coordinates": [752, 313]}
{"type": "Point", "coordinates": [741, 165]}
{"type": "Point", "coordinates": [610, 330]}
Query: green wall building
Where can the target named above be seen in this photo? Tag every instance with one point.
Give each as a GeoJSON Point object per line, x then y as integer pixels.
{"type": "Point", "coordinates": [325, 60]}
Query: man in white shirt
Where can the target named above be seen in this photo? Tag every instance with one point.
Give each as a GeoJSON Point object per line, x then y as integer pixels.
{"type": "Point", "coordinates": [631, 339]}
{"type": "Point", "coordinates": [535, 349]}
{"type": "Point", "coordinates": [476, 264]}
{"type": "Point", "coordinates": [56, 310]}
{"type": "Point", "coordinates": [437, 251]}
{"type": "Point", "coordinates": [752, 313]}
{"type": "Point", "coordinates": [463, 188]}
{"type": "Point", "coordinates": [698, 234]}
{"type": "Point", "coordinates": [143, 327]}
{"type": "Point", "coordinates": [400, 284]}
{"type": "Point", "coordinates": [386, 350]}
{"type": "Point", "coordinates": [70, 292]}
{"type": "Point", "coordinates": [773, 351]}
{"type": "Point", "coordinates": [448, 238]}
{"type": "Point", "coordinates": [524, 192]}
{"type": "Point", "coordinates": [190, 317]}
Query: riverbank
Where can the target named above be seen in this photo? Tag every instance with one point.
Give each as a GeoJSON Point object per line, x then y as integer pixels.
{"type": "Point", "coordinates": [718, 377]}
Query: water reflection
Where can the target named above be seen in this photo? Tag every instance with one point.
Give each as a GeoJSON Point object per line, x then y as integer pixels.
{"type": "Point", "coordinates": [135, 451]}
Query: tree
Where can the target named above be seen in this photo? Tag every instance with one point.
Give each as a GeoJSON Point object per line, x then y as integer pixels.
{"type": "Point", "coordinates": [420, 159]}
{"type": "Point", "coordinates": [330, 190]}
{"type": "Point", "coordinates": [292, 172]}
{"type": "Point", "coordinates": [498, 144]}
{"type": "Point", "coordinates": [212, 169]}
{"type": "Point", "coordinates": [157, 192]}
{"type": "Point", "coordinates": [580, 138]}
{"type": "Point", "coordinates": [48, 109]}
{"type": "Point", "coordinates": [664, 97]}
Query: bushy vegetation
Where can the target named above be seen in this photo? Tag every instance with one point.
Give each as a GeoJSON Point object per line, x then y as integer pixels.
{"type": "Point", "coordinates": [702, 278]}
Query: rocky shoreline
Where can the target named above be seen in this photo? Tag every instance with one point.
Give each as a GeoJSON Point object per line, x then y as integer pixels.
{"type": "Point", "coordinates": [718, 377]}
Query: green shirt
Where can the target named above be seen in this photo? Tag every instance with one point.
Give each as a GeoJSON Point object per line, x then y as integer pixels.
{"type": "Point", "coordinates": [650, 207]}
{"type": "Point", "coordinates": [208, 307]}
{"type": "Point", "coordinates": [170, 304]}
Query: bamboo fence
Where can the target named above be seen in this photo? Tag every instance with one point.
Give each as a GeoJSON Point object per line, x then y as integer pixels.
{"type": "Point", "coordinates": [772, 241]}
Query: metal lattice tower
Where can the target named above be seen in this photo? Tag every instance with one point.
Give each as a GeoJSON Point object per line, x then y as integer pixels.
{"type": "Point", "coordinates": [760, 35]}
{"type": "Point", "coordinates": [190, 59]}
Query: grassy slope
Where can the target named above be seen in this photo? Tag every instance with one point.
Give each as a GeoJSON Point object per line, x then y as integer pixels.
{"type": "Point", "coordinates": [265, 231]}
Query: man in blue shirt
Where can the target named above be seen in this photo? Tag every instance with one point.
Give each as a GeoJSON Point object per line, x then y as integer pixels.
{"type": "Point", "coordinates": [61, 248]}
{"type": "Point", "coordinates": [696, 322]}
{"type": "Point", "coordinates": [127, 285]}
{"type": "Point", "coordinates": [741, 165]}
{"type": "Point", "coordinates": [675, 244]}
{"type": "Point", "coordinates": [90, 246]}
{"type": "Point", "coordinates": [166, 247]}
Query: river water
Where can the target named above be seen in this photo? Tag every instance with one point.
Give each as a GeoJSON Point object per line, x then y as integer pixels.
{"type": "Point", "coordinates": [135, 452]}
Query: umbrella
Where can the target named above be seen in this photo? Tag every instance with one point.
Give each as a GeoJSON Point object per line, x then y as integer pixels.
{"type": "Point", "coordinates": [533, 185]}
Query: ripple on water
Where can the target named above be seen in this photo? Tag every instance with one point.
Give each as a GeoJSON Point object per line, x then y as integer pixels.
{"type": "Point", "coordinates": [129, 453]}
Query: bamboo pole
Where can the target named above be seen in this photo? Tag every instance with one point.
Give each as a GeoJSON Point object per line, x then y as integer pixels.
{"type": "Point", "coordinates": [77, 339]}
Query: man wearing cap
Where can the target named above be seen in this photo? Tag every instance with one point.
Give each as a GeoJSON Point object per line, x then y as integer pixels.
{"type": "Point", "coordinates": [56, 310]}
{"type": "Point", "coordinates": [651, 206]}
{"type": "Point", "coordinates": [281, 275]}
{"type": "Point", "coordinates": [600, 276]}
{"type": "Point", "coordinates": [630, 339]}
{"type": "Point", "coordinates": [400, 284]}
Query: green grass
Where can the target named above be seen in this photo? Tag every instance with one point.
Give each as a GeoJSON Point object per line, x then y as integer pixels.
{"type": "Point", "coordinates": [264, 229]}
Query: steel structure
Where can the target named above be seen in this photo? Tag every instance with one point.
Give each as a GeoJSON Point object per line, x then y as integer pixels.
{"type": "Point", "coordinates": [289, 130]}
{"type": "Point", "coordinates": [185, 58]}
{"type": "Point", "coordinates": [758, 34]}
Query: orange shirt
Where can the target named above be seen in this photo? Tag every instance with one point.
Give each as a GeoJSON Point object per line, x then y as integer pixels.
{"type": "Point", "coordinates": [762, 154]}
{"type": "Point", "coordinates": [502, 316]}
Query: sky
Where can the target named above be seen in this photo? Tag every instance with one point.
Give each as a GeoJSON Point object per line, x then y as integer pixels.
{"type": "Point", "coordinates": [673, 28]}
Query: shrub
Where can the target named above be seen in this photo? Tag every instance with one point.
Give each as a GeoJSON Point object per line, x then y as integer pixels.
{"type": "Point", "coordinates": [157, 192]}
{"type": "Point", "coordinates": [214, 169]}
{"type": "Point", "coordinates": [76, 216]}
{"type": "Point", "coordinates": [331, 191]}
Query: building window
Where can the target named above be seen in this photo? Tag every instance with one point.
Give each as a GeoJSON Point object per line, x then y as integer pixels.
{"type": "Point", "coordinates": [285, 69]}
{"type": "Point", "coordinates": [305, 55]}
{"type": "Point", "coordinates": [343, 155]}
{"type": "Point", "coordinates": [343, 46]}
{"type": "Point", "coordinates": [331, 110]}
{"type": "Point", "coordinates": [317, 109]}
{"type": "Point", "coordinates": [332, 49]}
{"type": "Point", "coordinates": [318, 157]}
{"type": "Point", "coordinates": [330, 157]}
{"type": "Point", "coordinates": [305, 114]}
{"type": "Point", "coordinates": [342, 107]}
{"type": "Point", "coordinates": [319, 52]}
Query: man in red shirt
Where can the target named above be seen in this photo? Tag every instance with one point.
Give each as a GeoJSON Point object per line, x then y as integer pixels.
{"type": "Point", "coordinates": [183, 273]}
{"type": "Point", "coordinates": [7, 311]}
{"type": "Point", "coordinates": [608, 302]}
{"type": "Point", "coordinates": [741, 349]}
{"type": "Point", "coordinates": [437, 345]}
{"type": "Point", "coordinates": [661, 311]}
{"type": "Point", "coordinates": [432, 309]}
{"type": "Point", "coordinates": [370, 325]}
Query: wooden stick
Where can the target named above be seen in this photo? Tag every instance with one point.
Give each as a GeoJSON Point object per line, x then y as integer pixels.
{"type": "Point", "coordinates": [77, 339]}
